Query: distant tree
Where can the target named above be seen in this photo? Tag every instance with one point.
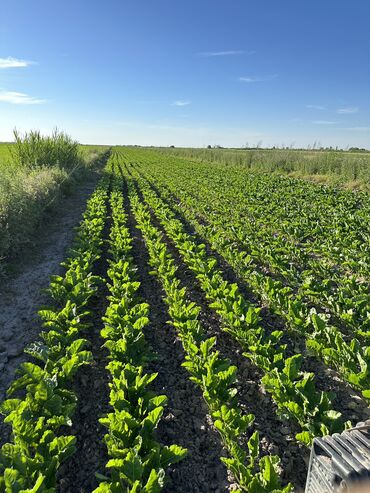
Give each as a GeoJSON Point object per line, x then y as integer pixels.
{"type": "Point", "coordinates": [209, 146]}
{"type": "Point", "coordinates": [357, 149]}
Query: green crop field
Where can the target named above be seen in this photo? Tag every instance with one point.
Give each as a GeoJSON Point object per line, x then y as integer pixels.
{"type": "Point", "coordinates": [185, 246]}
{"type": "Point", "coordinates": [337, 167]}
{"type": "Point", "coordinates": [211, 317]}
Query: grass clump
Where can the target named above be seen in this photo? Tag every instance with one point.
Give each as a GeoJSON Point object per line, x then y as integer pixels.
{"type": "Point", "coordinates": [35, 172]}
{"type": "Point", "coordinates": [34, 150]}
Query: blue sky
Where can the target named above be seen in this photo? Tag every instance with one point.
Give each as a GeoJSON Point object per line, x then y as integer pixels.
{"type": "Point", "coordinates": [188, 73]}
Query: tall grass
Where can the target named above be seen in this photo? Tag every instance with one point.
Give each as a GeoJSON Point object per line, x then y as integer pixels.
{"type": "Point", "coordinates": [24, 197]}
{"type": "Point", "coordinates": [35, 172]}
{"type": "Point", "coordinates": [34, 150]}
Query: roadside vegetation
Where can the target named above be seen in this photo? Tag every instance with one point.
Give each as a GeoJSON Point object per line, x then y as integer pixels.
{"type": "Point", "coordinates": [350, 169]}
{"type": "Point", "coordinates": [35, 172]}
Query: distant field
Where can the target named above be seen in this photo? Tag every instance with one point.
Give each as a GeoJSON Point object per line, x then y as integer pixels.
{"type": "Point", "coordinates": [351, 169]}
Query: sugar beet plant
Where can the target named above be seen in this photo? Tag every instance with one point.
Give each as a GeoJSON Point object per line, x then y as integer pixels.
{"type": "Point", "coordinates": [293, 282]}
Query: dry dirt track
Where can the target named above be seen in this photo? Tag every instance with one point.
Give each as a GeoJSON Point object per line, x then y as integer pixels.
{"type": "Point", "coordinates": [21, 293]}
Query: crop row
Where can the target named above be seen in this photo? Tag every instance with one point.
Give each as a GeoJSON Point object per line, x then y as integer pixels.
{"type": "Point", "coordinates": [137, 461]}
{"type": "Point", "coordinates": [44, 410]}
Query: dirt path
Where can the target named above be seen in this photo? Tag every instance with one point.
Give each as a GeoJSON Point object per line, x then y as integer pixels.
{"type": "Point", "coordinates": [20, 292]}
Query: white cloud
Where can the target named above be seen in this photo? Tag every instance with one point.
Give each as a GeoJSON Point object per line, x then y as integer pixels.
{"type": "Point", "coordinates": [257, 78]}
{"type": "Point", "coordinates": [324, 122]}
{"type": "Point", "coordinates": [181, 102]}
{"type": "Point", "coordinates": [14, 97]}
{"type": "Point", "coordinates": [315, 107]}
{"type": "Point", "coordinates": [224, 53]}
{"type": "Point", "coordinates": [11, 62]}
{"type": "Point", "coordinates": [347, 110]}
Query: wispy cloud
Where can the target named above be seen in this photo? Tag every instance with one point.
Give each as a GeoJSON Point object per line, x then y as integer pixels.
{"type": "Point", "coordinates": [181, 102]}
{"type": "Point", "coordinates": [324, 122]}
{"type": "Point", "coordinates": [315, 107]}
{"type": "Point", "coordinates": [13, 97]}
{"type": "Point", "coordinates": [348, 110]}
{"type": "Point", "coordinates": [224, 53]}
{"type": "Point", "coordinates": [252, 78]}
{"type": "Point", "coordinates": [11, 62]}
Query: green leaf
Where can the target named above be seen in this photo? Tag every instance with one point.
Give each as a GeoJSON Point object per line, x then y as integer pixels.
{"type": "Point", "coordinates": [366, 394]}
{"type": "Point", "coordinates": [305, 437]}
{"type": "Point", "coordinates": [253, 445]}
{"type": "Point", "coordinates": [292, 366]}
{"type": "Point", "coordinates": [38, 487]}
{"type": "Point", "coordinates": [11, 477]}
{"type": "Point", "coordinates": [9, 406]}
{"type": "Point", "coordinates": [131, 467]}
{"type": "Point", "coordinates": [155, 482]}
{"type": "Point", "coordinates": [333, 415]}
{"type": "Point", "coordinates": [38, 350]}
{"type": "Point", "coordinates": [172, 455]}
{"type": "Point", "coordinates": [270, 477]}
